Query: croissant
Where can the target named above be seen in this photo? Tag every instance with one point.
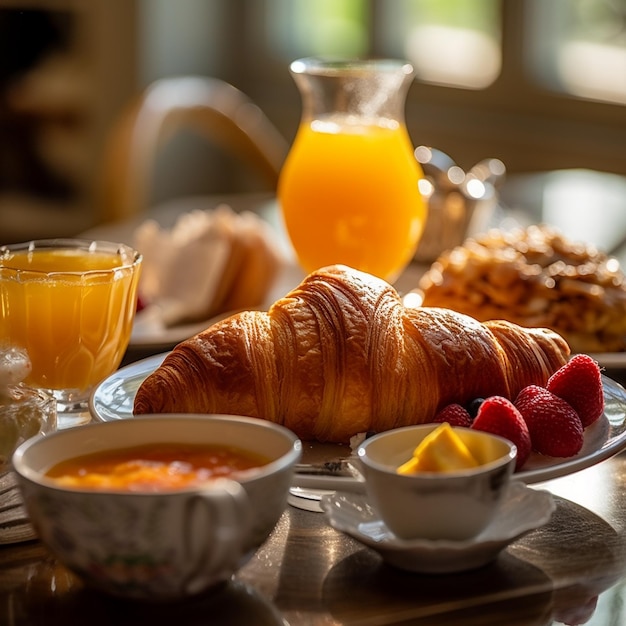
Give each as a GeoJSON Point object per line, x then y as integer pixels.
{"type": "Point", "coordinates": [340, 355]}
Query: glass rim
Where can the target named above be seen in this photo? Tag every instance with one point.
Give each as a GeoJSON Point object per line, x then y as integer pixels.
{"type": "Point", "coordinates": [130, 257]}
{"type": "Point", "coordinates": [333, 66]}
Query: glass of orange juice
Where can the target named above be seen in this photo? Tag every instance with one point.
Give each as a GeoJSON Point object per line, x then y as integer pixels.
{"type": "Point", "coordinates": [70, 304]}
{"type": "Point", "coordinates": [348, 190]}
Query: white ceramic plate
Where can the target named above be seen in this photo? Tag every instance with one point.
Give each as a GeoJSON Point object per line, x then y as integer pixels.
{"type": "Point", "coordinates": [113, 399]}
{"type": "Point", "coordinates": [523, 509]}
{"type": "Point", "coordinates": [610, 360]}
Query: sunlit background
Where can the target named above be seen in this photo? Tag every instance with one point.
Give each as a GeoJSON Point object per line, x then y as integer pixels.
{"type": "Point", "coordinates": [539, 84]}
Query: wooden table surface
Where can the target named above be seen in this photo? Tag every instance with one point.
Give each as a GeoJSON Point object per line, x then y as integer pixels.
{"type": "Point", "coordinates": [571, 571]}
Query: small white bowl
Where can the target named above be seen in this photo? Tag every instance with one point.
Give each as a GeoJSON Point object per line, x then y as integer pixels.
{"type": "Point", "coordinates": [166, 545]}
{"type": "Point", "coordinates": [435, 505]}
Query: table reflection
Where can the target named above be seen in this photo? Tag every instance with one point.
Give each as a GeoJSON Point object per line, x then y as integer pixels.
{"type": "Point", "coordinates": [572, 570]}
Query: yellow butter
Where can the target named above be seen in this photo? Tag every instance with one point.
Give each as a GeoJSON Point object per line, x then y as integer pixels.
{"type": "Point", "coordinates": [442, 450]}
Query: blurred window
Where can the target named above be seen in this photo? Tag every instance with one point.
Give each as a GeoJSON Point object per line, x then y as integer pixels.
{"type": "Point", "coordinates": [455, 43]}
{"type": "Point", "coordinates": [579, 47]}
{"type": "Point", "coordinates": [574, 46]}
{"type": "Point", "coordinates": [299, 28]}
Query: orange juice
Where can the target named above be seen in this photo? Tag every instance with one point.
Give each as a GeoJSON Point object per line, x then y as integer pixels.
{"type": "Point", "coordinates": [349, 194]}
{"type": "Point", "coordinates": [71, 309]}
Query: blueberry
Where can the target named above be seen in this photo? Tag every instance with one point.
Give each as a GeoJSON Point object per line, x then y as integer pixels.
{"type": "Point", "coordinates": [473, 406]}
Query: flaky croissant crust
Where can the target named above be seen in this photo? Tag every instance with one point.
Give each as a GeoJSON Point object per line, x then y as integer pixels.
{"type": "Point", "coordinates": [340, 355]}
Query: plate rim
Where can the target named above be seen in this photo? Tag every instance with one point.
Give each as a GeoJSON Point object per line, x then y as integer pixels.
{"type": "Point", "coordinates": [610, 447]}
{"type": "Point", "coordinates": [610, 360]}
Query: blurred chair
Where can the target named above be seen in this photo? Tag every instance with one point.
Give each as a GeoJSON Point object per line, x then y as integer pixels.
{"type": "Point", "coordinates": [211, 107]}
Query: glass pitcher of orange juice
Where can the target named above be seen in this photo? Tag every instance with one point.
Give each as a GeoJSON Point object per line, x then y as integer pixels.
{"type": "Point", "coordinates": [348, 190]}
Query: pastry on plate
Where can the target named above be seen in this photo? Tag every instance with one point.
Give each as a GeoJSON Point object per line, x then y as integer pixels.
{"type": "Point", "coordinates": [534, 277]}
{"type": "Point", "coordinates": [207, 263]}
{"type": "Point", "coordinates": [341, 355]}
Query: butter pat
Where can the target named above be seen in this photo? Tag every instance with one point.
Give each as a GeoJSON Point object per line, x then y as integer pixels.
{"type": "Point", "coordinates": [442, 450]}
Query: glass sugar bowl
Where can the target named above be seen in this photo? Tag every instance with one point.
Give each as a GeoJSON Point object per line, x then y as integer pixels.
{"type": "Point", "coordinates": [24, 412]}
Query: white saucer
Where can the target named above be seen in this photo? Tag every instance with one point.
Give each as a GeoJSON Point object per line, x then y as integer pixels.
{"type": "Point", "coordinates": [523, 509]}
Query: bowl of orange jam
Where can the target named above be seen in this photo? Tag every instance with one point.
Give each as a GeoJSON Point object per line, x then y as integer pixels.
{"type": "Point", "coordinates": [157, 507]}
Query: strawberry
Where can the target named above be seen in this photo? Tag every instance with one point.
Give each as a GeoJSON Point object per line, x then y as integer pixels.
{"type": "Point", "coordinates": [498, 416]}
{"type": "Point", "coordinates": [554, 426]}
{"type": "Point", "coordinates": [579, 383]}
{"type": "Point", "coordinates": [455, 415]}
{"type": "Point", "coordinates": [141, 305]}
